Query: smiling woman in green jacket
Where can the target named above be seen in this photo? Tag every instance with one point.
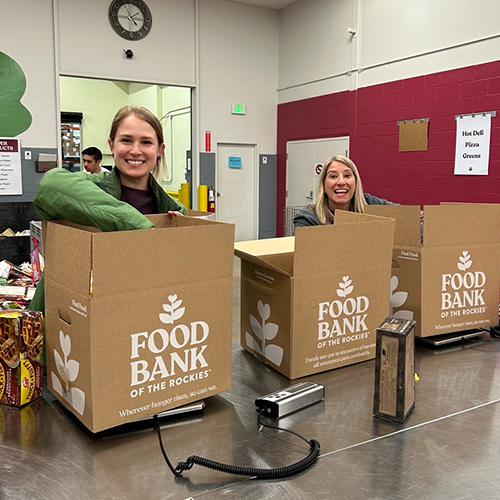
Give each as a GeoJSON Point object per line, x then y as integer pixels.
{"type": "Point", "coordinates": [116, 200]}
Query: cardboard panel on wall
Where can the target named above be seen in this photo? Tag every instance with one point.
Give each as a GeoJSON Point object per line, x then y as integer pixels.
{"type": "Point", "coordinates": [414, 136]}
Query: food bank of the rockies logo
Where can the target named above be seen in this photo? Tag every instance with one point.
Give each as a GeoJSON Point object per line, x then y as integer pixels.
{"type": "Point", "coordinates": [462, 292]}
{"type": "Point", "coordinates": [262, 332]}
{"type": "Point", "coordinates": [179, 353]}
{"type": "Point", "coordinates": [344, 319]}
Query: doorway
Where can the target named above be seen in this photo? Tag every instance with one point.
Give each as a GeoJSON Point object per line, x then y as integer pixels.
{"type": "Point", "coordinates": [237, 176]}
{"type": "Point", "coordinates": [96, 101]}
{"type": "Point", "coordinates": [305, 160]}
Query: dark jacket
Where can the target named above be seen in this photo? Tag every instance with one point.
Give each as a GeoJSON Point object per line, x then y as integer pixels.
{"type": "Point", "coordinates": [307, 216]}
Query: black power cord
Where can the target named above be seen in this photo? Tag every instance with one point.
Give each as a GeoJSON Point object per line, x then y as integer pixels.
{"type": "Point", "coordinates": [274, 473]}
{"type": "Point", "coordinates": [495, 331]}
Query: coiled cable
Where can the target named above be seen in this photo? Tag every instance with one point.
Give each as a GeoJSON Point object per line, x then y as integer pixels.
{"type": "Point", "coordinates": [272, 473]}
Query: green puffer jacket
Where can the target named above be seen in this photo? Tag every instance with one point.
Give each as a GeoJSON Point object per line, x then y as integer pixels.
{"type": "Point", "coordinates": [92, 200]}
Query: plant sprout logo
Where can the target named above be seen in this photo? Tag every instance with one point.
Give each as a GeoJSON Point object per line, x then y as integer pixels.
{"type": "Point", "coordinates": [463, 293]}
{"type": "Point", "coordinates": [398, 299]}
{"type": "Point", "coordinates": [341, 317]}
{"type": "Point", "coordinates": [465, 261]}
{"type": "Point", "coordinates": [173, 311]}
{"type": "Point", "coordinates": [68, 370]}
{"type": "Point", "coordinates": [264, 331]}
{"type": "Point", "coordinates": [345, 287]}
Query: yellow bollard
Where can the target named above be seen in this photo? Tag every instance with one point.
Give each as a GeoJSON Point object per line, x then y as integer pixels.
{"type": "Point", "coordinates": [184, 194]}
{"type": "Point", "coordinates": [202, 198]}
{"type": "Point", "coordinates": [173, 194]}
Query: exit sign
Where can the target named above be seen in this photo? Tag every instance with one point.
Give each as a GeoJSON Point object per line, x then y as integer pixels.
{"type": "Point", "coordinates": [238, 109]}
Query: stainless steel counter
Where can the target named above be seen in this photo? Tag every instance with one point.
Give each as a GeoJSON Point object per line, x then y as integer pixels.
{"type": "Point", "coordinates": [448, 448]}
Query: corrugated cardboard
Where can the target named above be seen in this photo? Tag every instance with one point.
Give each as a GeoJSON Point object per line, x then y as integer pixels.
{"type": "Point", "coordinates": [137, 321]}
{"type": "Point", "coordinates": [394, 397]}
{"type": "Point", "coordinates": [447, 276]}
{"type": "Point", "coordinates": [312, 302]}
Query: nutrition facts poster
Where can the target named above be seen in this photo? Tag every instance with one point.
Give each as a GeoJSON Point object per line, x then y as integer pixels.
{"type": "Point", "coordinates": [11, 181]}
{"type": "Point", "coordinates": [472, 152]}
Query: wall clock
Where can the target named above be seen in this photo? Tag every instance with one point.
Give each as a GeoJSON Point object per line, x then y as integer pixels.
{"type": "Point", "coordinates": [131, 19]}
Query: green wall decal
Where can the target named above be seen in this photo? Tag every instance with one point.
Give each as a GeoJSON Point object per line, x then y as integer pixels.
{"type": "Point", "coordinates": [14, 117]}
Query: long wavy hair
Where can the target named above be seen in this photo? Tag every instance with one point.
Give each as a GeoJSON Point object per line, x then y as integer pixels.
{"type": "Point", "coordinates": [322, 208]}
{"type": "Point", "coordinates": [159, 171]}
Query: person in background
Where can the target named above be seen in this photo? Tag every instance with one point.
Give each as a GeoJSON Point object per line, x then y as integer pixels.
{"type": "Point", "coordinates": [116, 200]}
{"type": "Point", "coordinates": [91, 159]}
{"type": "Point", "coordinates": [339, 188]}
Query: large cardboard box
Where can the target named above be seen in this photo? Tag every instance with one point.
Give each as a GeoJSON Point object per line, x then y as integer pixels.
{"type": "Point", "coordinates": [137, 321]}
{"type": "Point", "coordinates": [312, 302]}
{"type": "Point", "coordinates": [445, 271]}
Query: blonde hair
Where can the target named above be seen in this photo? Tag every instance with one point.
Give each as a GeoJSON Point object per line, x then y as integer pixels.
{"type": "Point", "coordinates": [149, 117]}
{"type": "Point", "coordinates": [358, 202]}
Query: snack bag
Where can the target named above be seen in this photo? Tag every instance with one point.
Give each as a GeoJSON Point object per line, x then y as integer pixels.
{"type": "Point", "coordinates": [21, 356]}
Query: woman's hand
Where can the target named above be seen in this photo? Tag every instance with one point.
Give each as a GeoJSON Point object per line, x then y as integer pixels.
{"type": "Point", "coordinates": [173, 213]}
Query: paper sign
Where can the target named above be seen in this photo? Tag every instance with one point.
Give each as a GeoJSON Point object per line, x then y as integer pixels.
{"type": "Point", "coordinates": [234, 161]}
{"type": "Point", "coordinates": [10, 167]}
{"type": "Point", "coordinates": [472, 151]}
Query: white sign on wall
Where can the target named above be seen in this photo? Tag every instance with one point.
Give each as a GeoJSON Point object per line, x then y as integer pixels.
{"type": "Point", "coordinates": [11, 181]}
{"type": "Point", "coordinates": [472, 150]}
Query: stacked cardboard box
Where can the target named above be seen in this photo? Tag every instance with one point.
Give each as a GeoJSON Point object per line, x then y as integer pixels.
{"type": "Point", "coordinates": [312, 302]}
{"type": "Point", "coordinates": [446, 274]}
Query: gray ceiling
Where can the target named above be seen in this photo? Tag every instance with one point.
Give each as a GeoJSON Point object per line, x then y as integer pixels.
{"type": "Point", "coordinates": [270, 4]}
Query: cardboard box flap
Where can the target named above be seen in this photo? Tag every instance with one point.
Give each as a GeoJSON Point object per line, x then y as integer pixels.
{"type": "Point", "coordinates": [461, 224]}
{"type": "Point", "coordinates": [275, 253]}
{"type": "Point", "coordinates": [323, 249]}
{"type": "Point", "coordinates": [68, 253]}
{"type": "Point", "coordinates": [265, 247]}
{"type": "Point", "coordinates": [154, 258]}
{"type": "Point", "coordinates": [163, 220]}
{"type": "Point", "coordinates": [269, 262]}
{"type": "Point", "coordinates": [407, 217]}
{"type": "Point", "coordinates": [282, 261]}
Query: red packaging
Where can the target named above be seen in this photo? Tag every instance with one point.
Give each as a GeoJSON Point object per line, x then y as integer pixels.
{"type": "Point", "coordinates": [21, 356]}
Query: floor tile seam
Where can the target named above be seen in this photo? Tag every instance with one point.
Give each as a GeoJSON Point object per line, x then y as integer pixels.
{"type": "Point", "coordinates": [368, 441]}
{"type": "Point", "coordinates": [413, 427]}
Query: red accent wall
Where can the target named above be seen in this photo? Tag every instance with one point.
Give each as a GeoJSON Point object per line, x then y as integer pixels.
{"type": "Point", "coordinates": [369, 117]}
